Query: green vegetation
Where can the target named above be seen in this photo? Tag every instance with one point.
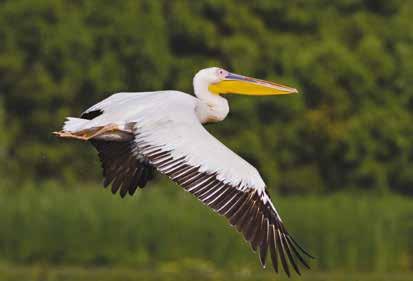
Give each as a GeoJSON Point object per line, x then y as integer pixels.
{"type": "Point", "coordinates": [187, 272]}
{"type": "Point", "coordinates": [351, 59]}
{"type": "Point", "coordinates": [342, 150]}
{"type": "Point", "coordinates": [165, 225]}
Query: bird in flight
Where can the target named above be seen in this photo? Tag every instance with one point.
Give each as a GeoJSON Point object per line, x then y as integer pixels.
{"type": "Point", "coordinates": [137, 134]}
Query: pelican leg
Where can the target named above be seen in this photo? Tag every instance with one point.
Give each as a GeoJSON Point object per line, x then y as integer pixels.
{"type": "Point", "coordinates": [87, 135]}
{"type": "Point", "coordinates": [101, 131]}
{"type": "Point", "coordinates": [63, 134]}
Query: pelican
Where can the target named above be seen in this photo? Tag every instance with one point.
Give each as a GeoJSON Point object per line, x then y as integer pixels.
{"type": "Point", "coordinates": [137, 134]}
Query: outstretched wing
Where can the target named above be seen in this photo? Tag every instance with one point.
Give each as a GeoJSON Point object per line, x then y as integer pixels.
{"type": "Point", "coordinates": [177, 145]}
{"type": "Point", "coordinates": [169, 136]}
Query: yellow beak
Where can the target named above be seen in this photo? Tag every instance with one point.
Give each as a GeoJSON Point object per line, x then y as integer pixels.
{"type": "Point", "coordinates": [243, 85]}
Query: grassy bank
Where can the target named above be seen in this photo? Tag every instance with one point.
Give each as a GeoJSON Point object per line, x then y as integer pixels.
{"type": "Point", "coordinates": [163, 225]}
{"type": "Point", "coordinates": [163, 273]}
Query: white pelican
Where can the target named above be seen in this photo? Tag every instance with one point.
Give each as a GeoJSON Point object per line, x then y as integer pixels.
{"type": "Point", "coordinates": [138, 133]}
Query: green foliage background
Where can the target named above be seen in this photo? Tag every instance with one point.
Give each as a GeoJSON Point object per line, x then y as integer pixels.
{"type": "Point", "coordinates": [351, 59]}
{"type": "Point", "coordinates": [345, 142]}
{"type": "Point", "coordinates": [165, 228]}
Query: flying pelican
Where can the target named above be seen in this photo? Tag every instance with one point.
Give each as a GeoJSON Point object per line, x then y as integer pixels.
{"type": "Point", "coordinates": [138, 133]}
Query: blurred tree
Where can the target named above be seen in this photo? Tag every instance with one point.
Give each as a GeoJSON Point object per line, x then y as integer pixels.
{"type": "Point", "coordinates": [351, 59]}
{"type": "Point", "coordinates": [4, 142]}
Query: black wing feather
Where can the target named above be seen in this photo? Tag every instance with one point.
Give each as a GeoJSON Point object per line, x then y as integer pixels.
{"type": "Point", "coordinates": [121, 167]}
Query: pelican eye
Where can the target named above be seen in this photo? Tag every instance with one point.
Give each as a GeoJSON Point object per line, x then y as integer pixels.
{"type": "Point", "coordinates": [222, 73]}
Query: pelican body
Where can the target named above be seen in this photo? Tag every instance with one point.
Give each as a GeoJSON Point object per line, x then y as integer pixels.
{"type": "Point", "coordinates": [137, 134]}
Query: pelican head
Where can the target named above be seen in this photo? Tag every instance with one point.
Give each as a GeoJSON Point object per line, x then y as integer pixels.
{"type": "Point", "coordinates": [221, 81]}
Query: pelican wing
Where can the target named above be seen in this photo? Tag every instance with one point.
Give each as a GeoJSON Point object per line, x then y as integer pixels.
{"type": "Point", "coordinates": [168, 136]}
{"type": "Point", "coordinates": [177, 145]}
